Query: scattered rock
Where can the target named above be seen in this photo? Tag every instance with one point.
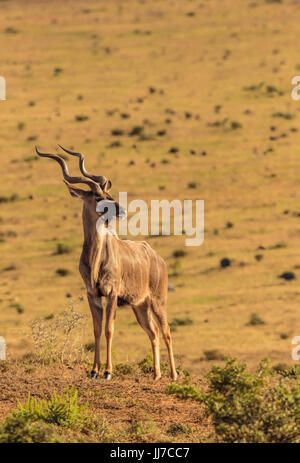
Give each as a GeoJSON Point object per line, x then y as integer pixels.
{"type": "Point", "coordinates": [225, 262]}
{"type": "Point", "coordinates": [287, 276]}
{"type": "Point", "coordinates": [173, 150]}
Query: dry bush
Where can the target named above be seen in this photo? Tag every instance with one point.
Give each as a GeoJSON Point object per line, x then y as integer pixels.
{"type": "Point", "coordinates": [59, 339]}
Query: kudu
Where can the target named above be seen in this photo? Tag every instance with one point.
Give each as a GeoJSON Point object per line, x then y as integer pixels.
{"type": "Point", "coordinates": [123, 271]}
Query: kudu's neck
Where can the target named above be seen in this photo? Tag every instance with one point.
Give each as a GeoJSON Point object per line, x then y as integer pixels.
{"type": "Point", "coordinates": [89, 227]}
{"type": "Point", "coordinates": [96, 243]}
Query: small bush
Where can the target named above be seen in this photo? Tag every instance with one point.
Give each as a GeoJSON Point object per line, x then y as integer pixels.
{"type": "Point", "coordinates": [62, 249]}
{"type": "Point", "coordinates": [117, 132]}
{"type": "Point", "coordinates": [136, 130]}
{"type": "Point", "coordinates": [62, 410]}
{"type": "Point", "coordinates": [175, 266]}
{"type": "Point", "coordinates": [293, 372]}
{"type": "Point", "coordinates": [213, 354]}
{"type": "Point", "coordinates": [59, 338]}
{"type": "Point", "coordinates": [185, 391]}
{"type": "Point", "coordinates": [143, 428]}
{"type": "Point", "coordinates": [235, 125]}
{"type": "Point", "coordinates": [57, 71]}
{"type": "Point", "coordinates": [19, 430]}
{"type": "Point", "coordinates": [11, 30]}
{"type": "Point", "coordinates": [31, 158]}
{"type": "Point", "coordinates": [255, 320]}
{"type": "Point", "coordinates": [9, 199]}
{"type": "Point", "coordinates": [123, 369]}
{"type": "Point", "coordinates": [283, 115]}
{"type": "Point", "coordinates": [81, 118]}
{"type": "Point", "coordinates": [10, 268]}
{"type": "Point", "coordinates": [89, 346]}
{"type": "Point", "coordinates": [62, 272]}
{"type": "Point", "coordinates": [179, 428]}
{"type": "Point", "coordinates": [146, 365]}
{"type": "Point", "coordinates": [244, 408]}
{"type": "Point", "coordinates": [17, 306]}
{"type": "Point", "coordinates": [179, 253]}
{"type": "Point", "coordinates": [181, 322]}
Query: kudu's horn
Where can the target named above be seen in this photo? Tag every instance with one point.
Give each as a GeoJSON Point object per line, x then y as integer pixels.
{"type": "Point", "coordinates": [103, 182]}
{"type": "Point", "coordinates": [93, 185]}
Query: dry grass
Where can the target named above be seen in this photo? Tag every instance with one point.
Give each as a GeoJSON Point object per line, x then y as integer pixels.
{"type": "Point", "coordinates": [70, 80]}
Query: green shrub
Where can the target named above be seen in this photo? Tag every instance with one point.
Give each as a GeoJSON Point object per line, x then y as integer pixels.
{"type": "Point", "coordinates": [17, 306]}
{"type": "Point", "coordinates": [283, 115]}
{"type": "Point", "coordinates": [62, 410]}
{"type": "Point", "coordinates": [143, 428]}
{"type": "Point", "coordinates": [9, 199]}
{"type": "Point", "coordinates": [62, 272]}
{"type": "Point", "coordinates": [175, 266]}
{"type": "Point", "coordinates": [81, 118]}
{"type": "Point", "coordinates": [213, 354]}
{"type": "Point", "coordinates": [123, 369]}
{"type": "Point", "coordinates": [293, 372]}
{"type": "Point", "coordinates": [246, 407]}
{"type": "Point", "coordinates": [62, 249]}
{"type": "Point", "coordinates": [180, 322]}
{"type": "Point", "coordinates": [185, 391]}
{"type": "Point", "coordinates": [146, 365]}
{"type": "Point", "coordinates": [17, 430]}
{"type": "Point", "coordinates": [255, 320]}
{"type": "Point", "coordinates": [178, 428]}
{"type": "Point", "coordinates": [179, 253]}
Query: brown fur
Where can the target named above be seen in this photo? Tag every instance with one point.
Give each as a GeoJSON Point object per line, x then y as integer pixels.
{"type": "Point", "coordinates": [119, 270]}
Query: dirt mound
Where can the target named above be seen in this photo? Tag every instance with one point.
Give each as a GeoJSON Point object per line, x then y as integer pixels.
{"type": "Point", "coordinates": [133, 406]}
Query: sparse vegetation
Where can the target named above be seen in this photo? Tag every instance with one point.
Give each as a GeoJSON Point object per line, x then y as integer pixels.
{"type": "Point", "coordinates": [255, 320]}
{"type": "Point", "coordinates": [247, 407]}
{"type": "Point", "coordinates": [180, 322]}
{"type": "Point", "coordinates": [62, 272]}
{"type": "Point", "coordinates": [62, 248]}
{"type": "Point", "coordinates": [233, 133]}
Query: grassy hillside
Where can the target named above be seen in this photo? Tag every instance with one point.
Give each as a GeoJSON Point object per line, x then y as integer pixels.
{"type": "Point", "coordinates": [211, 79]}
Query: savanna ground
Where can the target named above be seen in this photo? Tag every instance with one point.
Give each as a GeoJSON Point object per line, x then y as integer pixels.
{"type": "Point", "coordinates": [209, 85]}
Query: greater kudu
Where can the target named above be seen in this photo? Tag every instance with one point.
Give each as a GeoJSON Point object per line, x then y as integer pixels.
{"type": "Point", "coordinates": [123, 271]}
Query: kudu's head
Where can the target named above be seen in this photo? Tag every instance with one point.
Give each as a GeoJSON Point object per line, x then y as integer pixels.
{"type": "Point", "coordinates": [97, 201]}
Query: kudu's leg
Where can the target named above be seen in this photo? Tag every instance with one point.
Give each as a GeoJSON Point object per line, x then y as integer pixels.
{"type": "Point", "coordinates": [161, 316]}
{"type": "Point", "coordinates": [111, 308]}
{"type": "Point", "coordinates": [145, 319]}
{"type": "Point", "coordinates": [95, 303]}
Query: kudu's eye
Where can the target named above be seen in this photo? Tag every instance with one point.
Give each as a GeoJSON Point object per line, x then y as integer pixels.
{"type": "Point", "coordinates": [98, 199]}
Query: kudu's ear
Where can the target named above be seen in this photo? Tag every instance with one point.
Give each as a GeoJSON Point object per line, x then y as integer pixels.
{"type": "Point", "coordinates": [76, 192]}
{"type": "Point", "coordinates": [107, 186]}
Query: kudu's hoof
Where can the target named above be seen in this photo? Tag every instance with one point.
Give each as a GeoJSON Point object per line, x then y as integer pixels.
{"type": "Point", "coordinates": [94, 374]}
{"type": "Point", "coordinates": [107, 375]}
